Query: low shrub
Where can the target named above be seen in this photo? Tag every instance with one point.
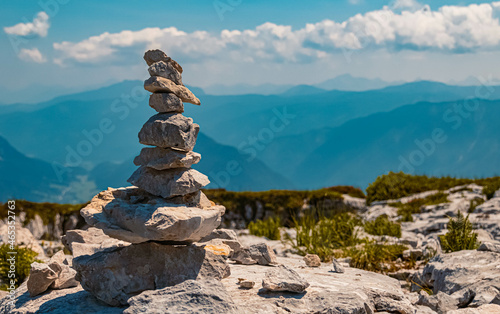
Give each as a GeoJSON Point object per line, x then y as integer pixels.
{"type": "Point", "coordinates": [24, 258]}
{"type": "Point", "coordinates": [383, 226]}
{"type": "Point", "coordinates": [406, 210]}
{"type": "Point", "coordinates": [269, 228]}
{"type": "Point", "coordinates": [460, 235]}
{"type": "Point", "coordinates": [376, 257]}
{"type": "Point", "coordinates": [475, 203]}
{"type": "Point", "coordinates": [347, 189]}
{"type": "Point", "coordinates": [491, 187]}
{"type": "Point", "coordinates": [321, 235]}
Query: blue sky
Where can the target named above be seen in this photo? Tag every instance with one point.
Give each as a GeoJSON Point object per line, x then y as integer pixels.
{"type": "Point", "coordinates": [407, 40]}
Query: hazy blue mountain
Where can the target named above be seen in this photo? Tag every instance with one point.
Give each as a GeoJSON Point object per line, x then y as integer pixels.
{"type": "Point", "coordinates": [246, 89]}
{"type": "Point", "coordinates": [347, 82]}
{"type": "Point", "coordinates": [36, 180]}
{"type": "Point", "coordinates": [303, 90]}
{"type": "Point", "coordinates": [361, 149]}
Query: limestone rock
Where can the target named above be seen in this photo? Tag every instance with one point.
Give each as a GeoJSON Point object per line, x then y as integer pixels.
{"type": "Point", "coordinates": [132, 215]}
{"type": "Point", "coordinates": [440, 302]}
{"type": "Point", "coordinates": [24, 238]}
{"type": "Point", "coordinates": [169, 183]}
{"type": "Point", "coordinates": [326, 302]}
{"type": "Point", "coordinates": [169, 130]}
{"type": "Point", "coordinates": [40, 279]}
{"type": "Point", "coordinates": [246, 284]}
{"type": "Point", "coordinates": [166, 102]}
{"type": "Point", "coordinates": [166, 70]}
{"type": "Point", "coordinates": [65, 274]}
{"type": "Point", "coordinates": [284, 278]}
{"type": "Point", "coordinates": [202, 296]}
{"type": "Point", "coordinates": [337, 267]}
{"type": "Point", "coordinates": [88, 242]}
{"type": "Point", "coordinates": [115, 275]}
{"type": "Point", "coordinates": [158, 84]}
{"type": "Point", "coordinates": [152, 56]}
{"type": "Point", "coordinates": [224, 236]}
{"type": "Point", "coordinates": [68, 301]}
{"type": "Point", "coordinates": [165, 158]}
{"type": "Point", "coordinates": [312, 260]}
{"type": "Point", "coordinates": [483, 309]}
{"type": "Point", "coordinates": [259, 253]}
{"type": "Point", "coordinates": [489, 247]}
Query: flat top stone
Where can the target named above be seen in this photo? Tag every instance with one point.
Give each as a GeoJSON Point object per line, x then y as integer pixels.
{"type": "Point", "coordinates": [158, 84]}
{"type": "Point", "coordinates": [152, 56]}
{"type": "Point", "coordinates": [166, 158]}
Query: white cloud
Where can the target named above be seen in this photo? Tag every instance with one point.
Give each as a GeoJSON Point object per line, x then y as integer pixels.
{"type": "Point", "coordinates": [39, 27]}
{"type": "Point", "coordinates": [448, 29]}
{"type": "Point", "coordinates": [31, 55]}
{"type": "Point", "coordinates": [407, 4]}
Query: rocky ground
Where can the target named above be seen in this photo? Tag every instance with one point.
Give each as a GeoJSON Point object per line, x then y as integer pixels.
{"type": "Point", "coordinates": [267, 277]}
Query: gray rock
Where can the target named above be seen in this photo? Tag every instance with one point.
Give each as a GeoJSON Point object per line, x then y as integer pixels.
{"type": "Point", "coordinates": [259, 253]}
{"type": "Point", "coordinates": [24, 239]}
{"type": "Point", "coordinates": [115, 275]}
{"type": "Point", "coordinates": [337, 267]}
{"type": "Point", "coordinates": [166, 102]}
{"type": "Point", "coordinates": [489, 247]}
{"type": "Point", "coordinates": [132, 215]}
{"type": "Point", "coordinates": [464, 272]}
{"type": "Point", "coordinates": [152, 56]}
{"type": "Point", "coordinates": [312, 260]}
{"type": "Point", "coordinates": [40, 279]}
{"type": "Point", "coordinates": [223, 236]}
{"type": "Point", "coordinates": [201, 296]}
{"type": "Point", "coordinates": [283, 278]}
{"type": "Point", "coordinates": [165, 70]}
{"type": "Point", "coordinates": [170, 130]}
{"type": "Point", "coordinates": [413, 254]}
{"type": "Point", "coordinates": [90, 241]}
{"type": "Point", "coordinates": [68, 301]}
{"type": "Point", "coordinates": [65, 274]}
{"type": "Point", "coordinates": [158, 84]}
{"type": "Point", "coordinates": [165, 158]}
{"type": "Point", "coordinates": [440, 302]}
{"type": "Point", "coordinates": [484, 309]}
{"type": "Point", "coordinates": [170, 182]}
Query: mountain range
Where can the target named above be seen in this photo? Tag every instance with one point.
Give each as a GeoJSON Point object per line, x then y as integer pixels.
{"type": "Point", "coordinates": [305, 138]}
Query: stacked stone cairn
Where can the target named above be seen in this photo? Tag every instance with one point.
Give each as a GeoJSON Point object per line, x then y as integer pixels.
{"type": "Point", "coordinates": [164, 214]}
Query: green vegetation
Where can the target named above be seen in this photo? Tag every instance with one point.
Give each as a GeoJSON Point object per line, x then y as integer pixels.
{"type": "Point", "coordinates": [372, 256]}
{"type": "Point", "coordinates": [269, 228]}
{"type": "Point", "coordinates": [347, 189]}
{"type": "Point", "coordinates": [322, 235]}
{"type": "Point", "coordinates": [475, 203]}
{"type": "Point", "coordinates": [383, 226]}
{"type": "Point", "coordinates": [459, 236]}
{"type": "Point", "coordinates": [414, 207]}
{"type": "Point", "coordinates": [24, 258]}
{"type": "Point", "coordinates": [396, 185]}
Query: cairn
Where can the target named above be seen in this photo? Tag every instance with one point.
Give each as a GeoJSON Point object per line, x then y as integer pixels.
{"type": "Point", "coordinates": [165, 212]}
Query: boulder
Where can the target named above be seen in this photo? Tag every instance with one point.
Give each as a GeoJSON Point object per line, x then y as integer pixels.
{"type": "Point", "coordinates": [169, 130]}
{"type": "Point", "coordinates": [88, 242]}
{"type": "Point", "coordinates": [165, 158]}
{"type": "Point", "coordinates": [24, 239]}
{"type": "Point", "coordinates": [489, 247]}
{"type": "Point", "coordinates": [115, 275]}
{"type": "Point", "coordinates": [65, 274]}
{"type": "Point", "coordinates": [170, 182]}
{"type": "Point", "coordinates": [40, 279]}
{"type": "Point", "coordinates": [158, 84]}
{"type": "Point", "coordinates": [191, 296]}
{"type": "Point", "coordinates": [152, 56]}
{"type": "Point", "coordinates": [283, 278]}
{"type": "Point", "coordinates": [440, 302]}
{"type": "Point", "coordinates": [483, 309]}
{"type": "Point", "coordinates": [166, 70]}
{"type": "Point", "coordinates": [463, 273]}
{"type": "Point", "coordinates": [132, 215]}
{"type": "Point", "coordinates": [312, 260]}
{"type": "Point", "coordinates": [166, 102]}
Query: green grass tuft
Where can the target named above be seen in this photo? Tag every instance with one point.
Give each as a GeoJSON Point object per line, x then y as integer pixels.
{"type": "Point", "coordinates": [383, 226]}
{"type": "Point", "coordinates": [460, 235]}
{"type": "Point", "coordinates": [269, 228]}
{"type": "Point", "coordinates": [406, 210]}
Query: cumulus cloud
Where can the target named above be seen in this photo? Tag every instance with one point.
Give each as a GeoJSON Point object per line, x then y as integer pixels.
{"type": "Point", "coordinates": [407, 4]}
{"type": "Point", "coordinates": [449, 29]}
{"type": "Point", "coordinates": [31, 55]}
{"type": "Point", "coordinates": [39, 27]}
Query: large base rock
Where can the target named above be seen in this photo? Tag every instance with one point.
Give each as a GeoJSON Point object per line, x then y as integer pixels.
{"type": "Point", "coordinates": [203, 296]}
{"type": "Point", "coordinates": [170, 182]}
{"type": "Point", "coordinates": [115, 275]}
{"type": "Point", "coordinates": [169, 130]}
{"type": "Point", "coordinates": [132, 215]}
